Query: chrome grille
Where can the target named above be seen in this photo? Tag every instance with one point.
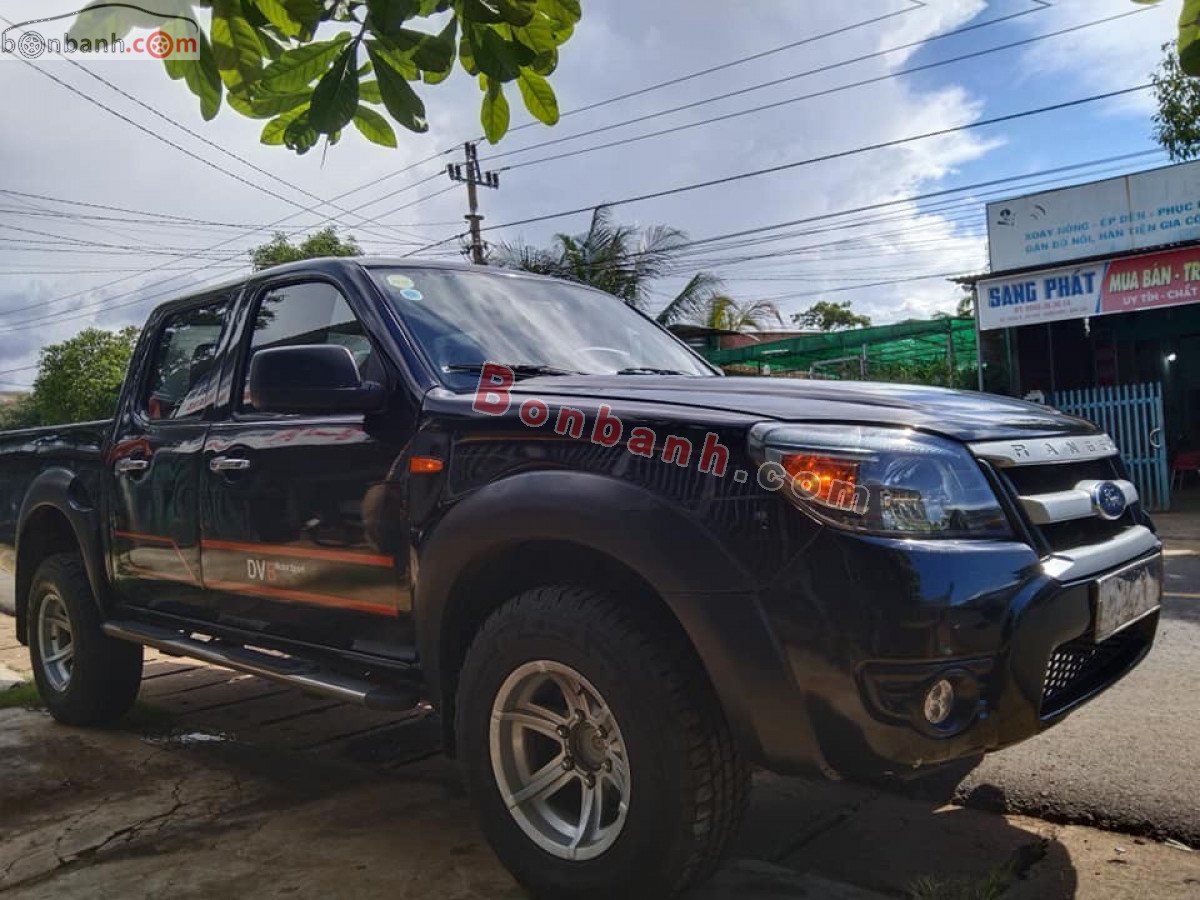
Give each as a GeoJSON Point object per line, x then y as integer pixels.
{"type": "Point", "coordinates": [1051, 482]}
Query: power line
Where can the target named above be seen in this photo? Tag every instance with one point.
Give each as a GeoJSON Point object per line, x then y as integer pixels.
{"type": "Point", "coordinates": [785, 102]}
{"type": "Point", "coordinates": [826, 157]}
{"type": "Point", "coordinates": [762, 54]}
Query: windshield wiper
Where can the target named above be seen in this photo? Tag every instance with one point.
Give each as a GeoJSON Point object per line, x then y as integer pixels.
{"type": "Point", "coordinates": [647, 370]}
{"type": "Point", "coordinates": [524, 370]}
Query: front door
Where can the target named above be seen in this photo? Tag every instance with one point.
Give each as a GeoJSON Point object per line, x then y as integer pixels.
{"type": "Point", "coordinates": [155, 464]}
{"type": "Point", "coordinates": [304, 525]}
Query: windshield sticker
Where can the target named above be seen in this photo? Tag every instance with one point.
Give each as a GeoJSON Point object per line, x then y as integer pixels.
{"type": "Point", "coordinates": [412, 294]}
{"type": "Point", "coordinates": [400, 281]}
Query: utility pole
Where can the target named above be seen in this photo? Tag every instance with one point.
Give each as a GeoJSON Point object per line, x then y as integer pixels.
{"type": "Point", "coordinates": [470, 173]}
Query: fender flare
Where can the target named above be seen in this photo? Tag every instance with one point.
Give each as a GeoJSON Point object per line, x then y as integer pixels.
{"type": "Point", "coordinates": [714, 598]}
{"type": "Point", "coordinates": [58, 489]}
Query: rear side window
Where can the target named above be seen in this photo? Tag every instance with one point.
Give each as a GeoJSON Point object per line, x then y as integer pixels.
{"type": "Point", "coordinates": [184, 363]}
{"type": "Point", "coordinates": [308, 313]}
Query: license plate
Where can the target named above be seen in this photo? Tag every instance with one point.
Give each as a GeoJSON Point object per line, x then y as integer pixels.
{"type": "Point", "coordinates": [1126, 596]}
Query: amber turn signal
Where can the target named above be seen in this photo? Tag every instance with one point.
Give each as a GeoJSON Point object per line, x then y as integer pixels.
{"type": "Point", "coordinates": [425, 465]}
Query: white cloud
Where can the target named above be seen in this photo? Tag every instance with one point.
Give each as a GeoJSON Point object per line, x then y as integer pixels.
{"type": "Point", "coordinates": [57, 144]}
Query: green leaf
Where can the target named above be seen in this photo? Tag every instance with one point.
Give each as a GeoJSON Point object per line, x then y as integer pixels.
{"type": "Point", "coordinates": [517, 12]}
{"type": "Point", "coordinates": [265, 105]}
{"type": "Point", "coordinates": [1189, 37]}
{"type": "Point", "coordinates": [335, 97]}
{"type": "Point", "coordinates": [539, 97]}
{"type": "Point", "coordinates": [396, 60]}
{"type": "Point", "coordinates": [300, 135]}
{"type": "Point", "coordinates": [436, 77]}
{"type": "Point", "coordinates": [374, 127]}
{"type": "Point", "coordinates": [272, 133]}
{"type": "Point", "coordinates": [545, 63]}
{"type": "Point", "coordinates": [368, 92]}
{"type": "Point", "coordinates": [466, 48]}
{"type": "Point", "coordinates": [565, 12]}
{"type": "Point", "coordinates": [485, 12]}
{"type": "Point", "coordinates": [105, 18]}
{"type": "Point", "coordinates": [538, 35]}
{"type": "Point", "coordinates": [494, 56]}
{"type": "Point", "coordinates": [238, 51]}
{"type": "Point", "coordinates": [297, 68]}
{"type": "Point", "coordinates": [429, 7]}
{"type": "Point", "coordinates": [388, 16]}
{"type": "Point", "coordinates": [398, 97]}
{"type": "Point", "coordinates": [201, 77]}
{"type": "Point", "coordinates": [436, 53]}
{"type": "Point", "coordinates": [277, 13]}
{"type": "Point", "coordinates": [493, 115]}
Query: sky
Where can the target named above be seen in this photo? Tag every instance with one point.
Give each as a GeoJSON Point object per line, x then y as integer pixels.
{"type": "Point", "coordinates": [839, 77]}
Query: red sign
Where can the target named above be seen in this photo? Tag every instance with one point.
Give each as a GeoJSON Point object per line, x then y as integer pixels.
{"type": "Point", "coordinates": [1158, 279]}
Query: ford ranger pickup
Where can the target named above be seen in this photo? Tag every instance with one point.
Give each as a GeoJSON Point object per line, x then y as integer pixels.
{"type": "Point", "coordinates": [620, 578]}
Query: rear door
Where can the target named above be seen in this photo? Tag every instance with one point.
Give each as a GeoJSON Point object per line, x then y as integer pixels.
{"type": "Point", "coordinates": [305, 531]}
{"type": "Point", "coordinates": [155, 462]}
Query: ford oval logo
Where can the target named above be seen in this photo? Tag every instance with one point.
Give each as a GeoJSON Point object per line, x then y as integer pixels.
{"type": "Point", "coordinates": [1108, 500]}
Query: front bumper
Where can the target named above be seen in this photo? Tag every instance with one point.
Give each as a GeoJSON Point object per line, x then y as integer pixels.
{"type": "Point", "coordinates": [863, 626]}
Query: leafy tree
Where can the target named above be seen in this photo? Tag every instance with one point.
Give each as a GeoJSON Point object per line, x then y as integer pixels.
{"type": "Point", "coordinates": [79, 379]}
{"type": "Point", "coordinates": [265, 59]}
{"type": "Point", "coordinates": [19, 413]}
{"type": "Point", "coordinates": [1177, 121]}
{"type": "Point", "coordinates": [620, 259]}
{"type": "Point", "coordinates": [320, 243]}
{"type": "Point", "coordinates": [825, 315]}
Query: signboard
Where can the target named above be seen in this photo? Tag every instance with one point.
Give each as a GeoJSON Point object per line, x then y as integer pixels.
{"type": "Point", "coordinates": [1115, 216]}
{"type": "Point", "coordinates": [1133, 283]}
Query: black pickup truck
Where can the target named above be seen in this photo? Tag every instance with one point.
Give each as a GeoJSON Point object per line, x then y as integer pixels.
{"type": "Point", "coordinates": [620, 578]}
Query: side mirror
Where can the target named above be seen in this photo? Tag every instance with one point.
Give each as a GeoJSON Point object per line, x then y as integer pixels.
{"type": "Point", "coordinates": [312, 378]}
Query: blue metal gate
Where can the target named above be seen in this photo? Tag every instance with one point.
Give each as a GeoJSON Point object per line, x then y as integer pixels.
{"type": "Point", "coordinates": [1132, 414]}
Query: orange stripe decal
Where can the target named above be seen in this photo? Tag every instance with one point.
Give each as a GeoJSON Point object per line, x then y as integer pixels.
{"type": "Point", "coordinates": [362, 559]}
{"type": "Point", "coordinates": [273, 593]}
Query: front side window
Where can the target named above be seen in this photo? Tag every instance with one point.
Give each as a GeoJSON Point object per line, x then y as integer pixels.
{"type": "Point", "coordinates": [463, 319]}
{"type": "Point", "coordinates": [184, 363]}
{"type": "Point", "coordinates": [309, 313]}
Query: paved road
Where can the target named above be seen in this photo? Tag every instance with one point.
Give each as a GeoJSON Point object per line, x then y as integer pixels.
{"type": "Point", "coordinates": [1129, 760]}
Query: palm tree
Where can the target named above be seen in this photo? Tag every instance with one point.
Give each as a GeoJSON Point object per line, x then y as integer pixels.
{"type": "Point", "coordinates": [723, 313]}
{"type": "Point", "coordinates": [620, 259]}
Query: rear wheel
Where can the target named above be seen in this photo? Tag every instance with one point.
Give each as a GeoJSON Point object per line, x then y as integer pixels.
{"type": "Point", "coordinates": [83, 676]}
{"type": "Point", "coordinates": [594, 748]}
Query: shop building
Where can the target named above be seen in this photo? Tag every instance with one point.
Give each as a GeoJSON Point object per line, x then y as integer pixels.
{"type": "Point", "coordinates": [1093, 304]}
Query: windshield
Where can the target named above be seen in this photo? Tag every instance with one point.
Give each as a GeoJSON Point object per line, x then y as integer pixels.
{"type": "Point", "coordinates": [463, 319]}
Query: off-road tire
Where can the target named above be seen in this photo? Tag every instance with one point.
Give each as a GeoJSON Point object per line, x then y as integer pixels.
{"type": "Point", "coordinates": [689, 788]}
{"type": "Point", "coordinates": [106, 673]}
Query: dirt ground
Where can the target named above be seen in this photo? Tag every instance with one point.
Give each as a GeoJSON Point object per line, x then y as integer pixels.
{"type": "Point", "coordinates": [227, 786]}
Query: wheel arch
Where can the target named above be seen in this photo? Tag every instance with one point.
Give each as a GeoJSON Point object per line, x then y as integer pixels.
{"type": "Point", "coordinates": [57, 516]}
{"type": "Point", "coordinates": [559, 527]}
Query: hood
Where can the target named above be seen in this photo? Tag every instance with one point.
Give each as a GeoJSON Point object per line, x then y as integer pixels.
{"type": "Point", "coordinates": [963, 415]}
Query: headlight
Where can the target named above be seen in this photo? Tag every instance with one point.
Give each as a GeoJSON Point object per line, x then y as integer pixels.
{"type": "Point", "coordinates": [887, 481]}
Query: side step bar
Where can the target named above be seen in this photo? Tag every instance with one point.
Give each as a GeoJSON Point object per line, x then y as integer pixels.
{"type": "Point", "coordinates": [297, 673]}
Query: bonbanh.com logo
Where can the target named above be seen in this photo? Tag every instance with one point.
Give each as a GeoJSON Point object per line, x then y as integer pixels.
{"type": "Point", "coordinates": [106, 30]}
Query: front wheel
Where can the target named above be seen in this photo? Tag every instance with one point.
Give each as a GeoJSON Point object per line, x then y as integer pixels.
{"type": "Point", "coordinates": [83, 676]}
{"type": "Point", "coordinates": [594, 748]}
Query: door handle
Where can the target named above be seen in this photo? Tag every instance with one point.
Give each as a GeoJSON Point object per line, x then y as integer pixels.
{"type": "Point", "coordinates": [228, 464]}
{"type": "Point", "coordinates": [129, 466]}
{"type": "Point", "coordinates": [1156, 442]}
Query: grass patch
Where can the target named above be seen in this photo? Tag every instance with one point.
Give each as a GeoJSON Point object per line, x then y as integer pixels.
{"type": "Point", "coordinates": [144, 717]}
{"type": "Point", "coordinates": [990, 887]}
{"type": "Point", "coordinates": [22, 695]}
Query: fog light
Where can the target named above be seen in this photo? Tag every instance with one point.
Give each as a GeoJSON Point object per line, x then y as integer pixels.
{"type": "Point", "coordinates": [939, 702]}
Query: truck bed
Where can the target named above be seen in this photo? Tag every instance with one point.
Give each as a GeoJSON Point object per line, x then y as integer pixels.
{"type": "Point", "coordinates": [24, 455]}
